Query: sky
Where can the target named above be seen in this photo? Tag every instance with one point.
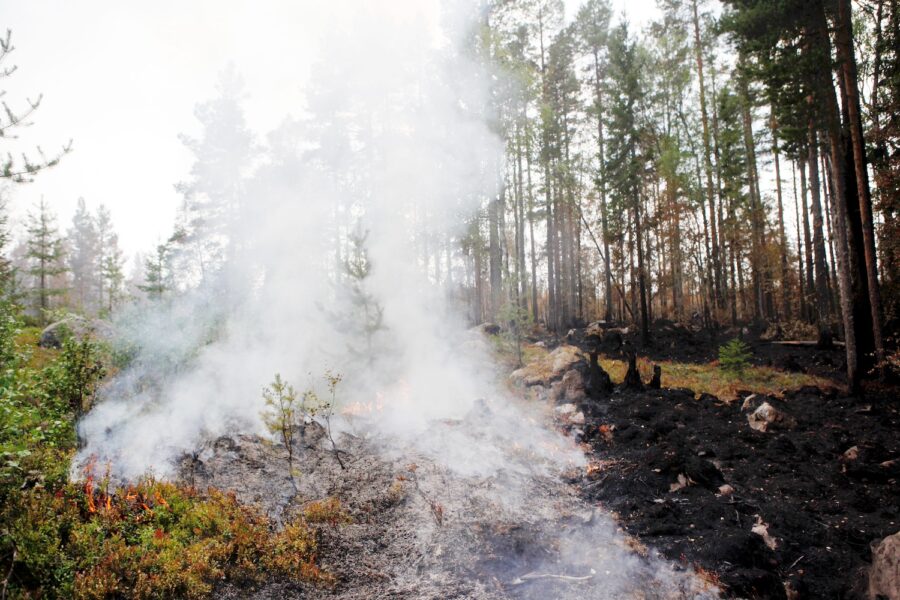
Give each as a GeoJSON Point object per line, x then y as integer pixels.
{"type": "Point", "coordinates": [121, 80]}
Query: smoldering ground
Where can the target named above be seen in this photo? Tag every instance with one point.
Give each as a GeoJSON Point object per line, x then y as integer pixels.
{"type": "Point", "coordinates": [394, 150]}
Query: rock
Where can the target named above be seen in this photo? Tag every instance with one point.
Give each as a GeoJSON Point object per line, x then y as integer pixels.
{"type": "Point", "coordinates": [767, 417]}
{"type": "Point", "coordinates": [488, 328]}
{"type": "Point", "coordinates": [726, 490]}
{"type": "Point", "coordinates": [751, 403]}
{"type": "Point", "coordinates": [884, 574]}
{"type": "Point", "coordinates": [548, 368]}
{"type": "Point", "coordinates": [703, 472]}
{"type": "Point", "coordinates": [565, 409]}
{"type": "Point", "coordinates": [762, 530]}
{"type": "Point", "coordinates": [569, 413]}
{"type": "Point", "coordinates": [596, 329]}
{"type": "Point", "coordinates": [851, 453]}
{"type": "Point", "coordinates": [572, 386]}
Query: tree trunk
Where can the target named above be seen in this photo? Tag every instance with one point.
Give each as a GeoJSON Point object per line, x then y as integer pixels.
{"type": "Point", "coordinates": [845, 52]}
{"type": "Point", "coordinates": [707, 161]}
{"type": "Point", "coordinates": [785, 296]}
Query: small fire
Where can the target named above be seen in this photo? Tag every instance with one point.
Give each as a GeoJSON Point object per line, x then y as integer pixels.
{"type": "Point", "coordinates": [397, 394]}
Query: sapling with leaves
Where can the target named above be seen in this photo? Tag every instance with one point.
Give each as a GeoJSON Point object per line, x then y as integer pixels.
{"type": "Point", "coordinates": [314, 405]}
{"type": "Point", "coordinates": [280, 417]}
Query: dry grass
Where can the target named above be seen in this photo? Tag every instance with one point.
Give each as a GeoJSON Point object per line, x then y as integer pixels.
{"type": "Point", "coordinates": [707, 377]}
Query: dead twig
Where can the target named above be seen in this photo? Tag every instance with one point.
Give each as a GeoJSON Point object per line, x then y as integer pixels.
{"type": "Point", "coordinates": [437, 509]}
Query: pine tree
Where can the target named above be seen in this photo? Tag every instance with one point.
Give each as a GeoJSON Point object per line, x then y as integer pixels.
{"type": "Point", "coordinates": [157, 274]}
{"type": "Point", "coordinates": [45, 256]}
{"type": "Point", "coordinates": [6, 268]}
{"type": "Point", "coordinates": [24, 170]}
{"type": "Point", "coordinates": [366, 315]}
{"type": "Point", "coordinates": [214, 193]}
{"type": "Point", "coordinates": [83, 255]}
{"type": "Point", "coordinates": [110, 262]}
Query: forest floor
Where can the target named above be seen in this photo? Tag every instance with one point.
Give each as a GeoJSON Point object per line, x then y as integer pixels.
{"type": "Point", "coordinates": [802, 502]}
{"type": "Point", "coordinates": [419, 530]}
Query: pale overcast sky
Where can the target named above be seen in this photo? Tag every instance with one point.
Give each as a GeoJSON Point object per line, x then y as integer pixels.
{"type": "Point", "coordinates": [122, 78]}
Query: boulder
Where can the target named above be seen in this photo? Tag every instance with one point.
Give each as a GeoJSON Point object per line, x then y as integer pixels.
{"type": "Point", "coordinates": [548, 368]}
{"type": "Point", "coordinates": [766, 417]}
{"type": "Point", "coordinates": [569, 413]}
{"type": "Point", "coordinates": [569, 389]}
{"type": "Point", "coordinates": [884, 574]}
{"type": "Point", "coordinates": [488, 328]}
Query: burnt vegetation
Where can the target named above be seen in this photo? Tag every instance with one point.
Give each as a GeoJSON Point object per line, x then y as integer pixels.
{"type": "Point", "coordinates": [691, 262]}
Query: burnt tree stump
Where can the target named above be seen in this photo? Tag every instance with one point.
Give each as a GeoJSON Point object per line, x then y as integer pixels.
{"type": "Point", "coordinates": [598, 382]}
{"type": "Point", "coordinates": [656, 381]}
{"type": "Point", "coordinates": [632, 379]}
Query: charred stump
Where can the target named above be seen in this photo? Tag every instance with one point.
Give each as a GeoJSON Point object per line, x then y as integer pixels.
{"type": "Point", "coordinates": [632, 379]}
{"type": "Point", "coordinates": [656, 381]}
{"type": "Point", "coordinates": [598, 382]}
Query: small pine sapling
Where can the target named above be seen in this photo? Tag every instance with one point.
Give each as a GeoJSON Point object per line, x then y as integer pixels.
{"type": "Point", "coordinates": [280, 417]}
{"type": "Point", "coordinates": [734, 357]}
{"type": "Point", "coordinates": [517, 319]}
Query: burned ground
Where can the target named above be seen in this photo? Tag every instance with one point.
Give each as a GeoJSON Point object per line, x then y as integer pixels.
{"type": "Point", "coordinates": [789, 511]}
{"type": "Point", "coordinates": [427, 532]}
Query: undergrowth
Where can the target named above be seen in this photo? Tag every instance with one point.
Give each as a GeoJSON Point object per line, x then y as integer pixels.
{"type": "Point", "coordinates": [705, 378]}
{"type": "Point", "coordinates": [85, 540]}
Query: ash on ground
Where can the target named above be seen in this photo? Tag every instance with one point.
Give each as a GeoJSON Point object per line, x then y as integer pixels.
{"type": "Point", "coordinates": [422, 529]}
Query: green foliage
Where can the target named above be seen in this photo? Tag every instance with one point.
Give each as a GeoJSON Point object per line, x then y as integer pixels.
{"type": "Point", "coordinates": [365, 315]}
{"type": "Point", "coordinates": [516, 319]}
{"type": "Point", "coordinates": [734, 357]}
{"type": "Point", "coordinates": [153, 540]}
{"type": "Point", "coordinates": [9, 326]}
{"type": "Point", "coordinates": [77, 374]}
{"type": "Point", "coordinates": [280, 415]}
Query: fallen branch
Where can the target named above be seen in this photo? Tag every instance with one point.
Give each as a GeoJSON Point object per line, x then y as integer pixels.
{"type": "Point", "coordinates": [12, 563]}
{"type": "Point", "coordinates": [534, 576]}
{"type": "Point", "coordinates": [804, 343]}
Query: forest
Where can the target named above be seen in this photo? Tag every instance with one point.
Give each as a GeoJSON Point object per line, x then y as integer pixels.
{"type": "Point", "coordinates": [525, 301]}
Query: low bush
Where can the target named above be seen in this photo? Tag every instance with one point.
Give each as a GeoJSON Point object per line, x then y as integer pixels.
{"type": "Point", "coordinates": [153, 540]}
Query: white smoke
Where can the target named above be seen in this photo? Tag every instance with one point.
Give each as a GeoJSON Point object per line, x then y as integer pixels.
{"type": "Point", "coordinates": [394, 146]}
{"type": "Point", "coordinates": [394, 142]}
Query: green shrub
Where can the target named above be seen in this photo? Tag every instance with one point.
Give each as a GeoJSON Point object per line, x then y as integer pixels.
{"type": "Point", "coordinates": [77, 374]}
{"type": "Point", "coordinates": [734, 357]}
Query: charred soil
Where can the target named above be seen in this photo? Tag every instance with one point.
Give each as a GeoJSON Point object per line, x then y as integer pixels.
{"type": "Point", "coordinates": [786, 512]}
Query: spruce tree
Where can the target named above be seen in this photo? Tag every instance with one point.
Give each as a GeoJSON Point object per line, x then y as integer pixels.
{"type": "Point", "coordinates": [45, 256]}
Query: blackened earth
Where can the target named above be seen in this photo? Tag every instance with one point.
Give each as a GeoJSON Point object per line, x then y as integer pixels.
{"type": "Point", "coordinates": [823, 490]}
